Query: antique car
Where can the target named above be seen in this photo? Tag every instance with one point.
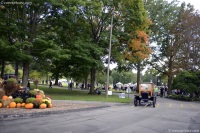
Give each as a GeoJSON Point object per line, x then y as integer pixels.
{"type": "Point", "coordinates": [146, 95]}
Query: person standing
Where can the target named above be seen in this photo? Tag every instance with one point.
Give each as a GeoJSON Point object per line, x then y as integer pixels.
{"type": "Point", "coordinates": [166, 91]}
{"type": "Point", "coordinates": [161, 91]}
{"type": "Point", "coordinates": [28, 85]}
{"type": "Point", "coordinates": [82, 86]}
{"type": "Point", "coordinates": [50, 85]}
{"type": "Point", "coordinates": [156, 91]}
{"type": "Point", "coordinates": [70, 86]}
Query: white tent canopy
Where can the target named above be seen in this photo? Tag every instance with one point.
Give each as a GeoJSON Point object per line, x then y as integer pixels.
{"type": "Point", "coordinates": [119, 83]}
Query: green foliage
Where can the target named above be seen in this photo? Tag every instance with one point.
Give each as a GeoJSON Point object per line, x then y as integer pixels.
{"type": "Point", "coordinates": [34, 75]}
{"type": "Point", "coordinates": [187, 81]}
{"type": "Point", "coordinates": [183, 97]}
{"type": "Point", "coordinates": [18, 100]}
{"type": "Point", "coordinates": [179, 97]}
{"type": "Point", "coordinates": [30, 100]}
{"type": "Point", "coordinates": [33, 92]}
{"type": "Point", "coordinates": [123, 77]}
{"type": "Point", "coordinates": [9, 69]}
{"type": "Point", "coordinates": [11, 81]}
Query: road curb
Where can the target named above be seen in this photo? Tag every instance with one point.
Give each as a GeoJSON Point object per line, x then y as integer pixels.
{"type": "Point", "coordinates": [47, 113]}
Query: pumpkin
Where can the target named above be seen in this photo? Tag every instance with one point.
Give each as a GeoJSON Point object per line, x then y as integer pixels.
{"type": "Point", "coordinates": [19, 105]}
{"type": "Point", "coordinates": [10, 97]}
{"type": "Point", "coordinates": [29, 106]}
{"type": "Point", "coordinates": [50, 105]}
{"type": "Point", "coordinates": [5, 97]}
{"type": "Point", "coordinates": [38, 96]}
{"type": "Point", "coordinates": [12, 105]}
{"type": "Point", "coordinates": [23, 104]}
{"type": "Point", "coordinates": [1, 105]}
{"type": "Point", "coordinates": [43, 106]}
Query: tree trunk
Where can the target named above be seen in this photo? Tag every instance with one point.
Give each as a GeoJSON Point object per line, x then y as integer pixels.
{"type": "Point", "coordinates": [25, 73]}
{"type": "Point", "coordinates": [86, 83]}
{"type": "Point", "coordinates": [169, 82]}
{"type": "Point", "coordinates": [2, 68]}
{"type": "Point", "coordinates": [93, 72]}
{"type": "Point", "coordinates": [170, 74]}
{"type": "Point", "coordinates": [138, 76]}
{"type": "Point", "coordinates": [56, 78]}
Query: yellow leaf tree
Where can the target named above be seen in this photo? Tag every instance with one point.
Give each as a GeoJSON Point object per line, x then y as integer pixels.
{"type": "Point", "coordinates": [136, 44]}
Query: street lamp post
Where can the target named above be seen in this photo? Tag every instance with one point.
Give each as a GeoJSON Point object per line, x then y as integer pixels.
{"type": "Point", "coordinates": [109, 53]}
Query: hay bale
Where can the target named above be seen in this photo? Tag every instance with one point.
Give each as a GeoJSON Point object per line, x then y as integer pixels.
{"type": "Point", "coordinates": [6, 102]}
{"type": "Point", "coordinates": [2, 93]}
{"type": "Point", "coordinates": [1, 83]}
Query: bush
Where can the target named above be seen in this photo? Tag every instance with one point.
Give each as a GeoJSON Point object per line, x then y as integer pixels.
{"type": "Point", "coordinates": [188, 81]}
{"type": "Point", "coordinates": [10, 86]}
{"type": "Point", "coordinates": [18, 100]}
{"type": "Point", "coordinates": [30, 100]}
{"type": "Point", "coordinates": [181, 97]}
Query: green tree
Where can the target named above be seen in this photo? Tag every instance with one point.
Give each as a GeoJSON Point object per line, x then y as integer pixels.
{"type": "Point", "coordinates": [186, 81]}
{"type": "Point", "coordinates": [134, 37]}
{"type": "Point", "coordinates": [163, 15]}
{"type": "Point", "coordinates": [22, 30]}
{"type": "Point", "coordinates": [9, 69]}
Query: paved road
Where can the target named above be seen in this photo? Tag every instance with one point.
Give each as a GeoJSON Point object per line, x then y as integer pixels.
{"type": "Point", "coordinates": [169, 116]}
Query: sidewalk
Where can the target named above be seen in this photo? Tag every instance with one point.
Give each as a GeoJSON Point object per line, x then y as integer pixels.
{"type": "Point", "coordinates": [59, 107]}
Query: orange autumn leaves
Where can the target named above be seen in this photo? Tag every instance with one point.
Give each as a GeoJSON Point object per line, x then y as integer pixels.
{"type": "Point", "coordinates": [137, 47]}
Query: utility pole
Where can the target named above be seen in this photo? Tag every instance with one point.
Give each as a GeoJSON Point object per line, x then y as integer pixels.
{"type": "Point", "coordinates": [108, 69]}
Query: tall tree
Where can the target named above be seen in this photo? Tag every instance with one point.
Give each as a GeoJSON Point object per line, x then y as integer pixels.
{"type": "Point", "coordinates": [134, 35]}
{"type": "Point", "coordinates": [168, 35]}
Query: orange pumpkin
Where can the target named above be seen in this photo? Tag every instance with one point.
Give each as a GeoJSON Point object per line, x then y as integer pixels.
{"type": "Point", "coordinates": [19, 105]}
{"type": "Point", "coordinates": [1, 105]}
{"type": "Point", "coordinates": [38, 96]}
{"type": "Point", "coordinates": [5, 97]}
{"type": "Point", "coordinates": [50, 105]}
{"type": "Point", "coordinates": [12, 105]}
{"type": "Point", "coordinates": [23, 104]}
{"type": "Point", "coordinates": [43, 106]}
{"type": "Point", "coordinates": [29, 106]}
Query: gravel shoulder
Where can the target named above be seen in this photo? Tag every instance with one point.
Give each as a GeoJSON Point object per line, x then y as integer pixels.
{"type": "Point", "coordinates": [59, 106]}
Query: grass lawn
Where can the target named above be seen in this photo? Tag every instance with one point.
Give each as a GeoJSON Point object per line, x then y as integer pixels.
{"type": "Point", "coordinates": [65, 94]}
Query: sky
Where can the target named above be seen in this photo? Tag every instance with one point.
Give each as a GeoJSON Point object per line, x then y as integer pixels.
{"type": "Point", "coordinates": [195, 3]}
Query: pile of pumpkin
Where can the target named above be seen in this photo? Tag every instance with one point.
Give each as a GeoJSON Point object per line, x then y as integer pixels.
{"type": "Point", "coordinates": [10, 98]}
{"type": "Point", "coordinates": [32, 102]}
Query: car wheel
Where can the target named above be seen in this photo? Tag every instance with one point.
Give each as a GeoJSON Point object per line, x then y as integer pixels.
{"type": "Point", "coordinates": [154, 102]}
{"type": "Point", "coordinates": [135, 101]}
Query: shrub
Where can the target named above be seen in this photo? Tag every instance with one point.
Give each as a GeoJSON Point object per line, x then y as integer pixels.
{"type": "Point", "coordinates": [18, 100]}
{"type": "Point", "coordinates": [30, 100]}
{"type": "Point", "coordinates": [180, 97]}
{"type": "Point", "coordinates": [10, 86]}
{"type": "Point", "coordinates": [188, 81]}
